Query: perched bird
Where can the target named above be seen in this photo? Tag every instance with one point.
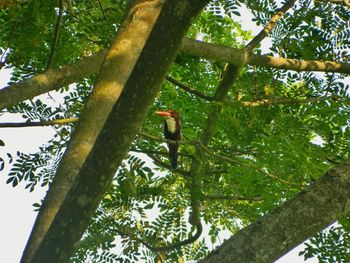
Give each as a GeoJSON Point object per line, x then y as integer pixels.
{"type": "Point", "coordinates": [172, 131]}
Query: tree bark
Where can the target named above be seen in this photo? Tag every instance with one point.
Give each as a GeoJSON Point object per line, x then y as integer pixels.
{"type": "Point", "coordinates": [309, 212]}
{"type": "Point", "coordinates": [50, 80]}
{"type": "Point", "coordinates": [131, 72]}
{"type": "Point", "coordinates": [57, 78]}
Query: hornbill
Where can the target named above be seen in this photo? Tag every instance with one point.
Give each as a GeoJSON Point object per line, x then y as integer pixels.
{"type": "Point", "coordinates": [172, 131]}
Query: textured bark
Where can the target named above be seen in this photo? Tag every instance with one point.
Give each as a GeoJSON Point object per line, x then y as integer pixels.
{"type": "Point", "coordinates": [131, 70]}
{"type": "Point", "coordinates": [118, 65]}
{"type": "Point", "coordinates": [235, 56]}
{"type": "Point", "coordinates": [50, 80]}
{"type": "Point", "coordinates": [11, 3]}
{"type": "Point", "coordinates": [57, 78]}
{"type": "Point", "coordinates": [313, 209]}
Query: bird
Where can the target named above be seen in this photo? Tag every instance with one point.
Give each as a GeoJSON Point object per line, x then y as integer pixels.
{"type": "Point", "coordinates": [172, 131]}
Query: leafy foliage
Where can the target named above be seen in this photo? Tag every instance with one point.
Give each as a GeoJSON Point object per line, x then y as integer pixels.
{"type": "Point", "coordinates": [329, 246]}
{"type": "Point", "coordinates": [261, 155]}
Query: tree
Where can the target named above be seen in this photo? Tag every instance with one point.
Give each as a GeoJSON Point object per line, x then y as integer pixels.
{"type": "Point", "coordinates": [258, 129]}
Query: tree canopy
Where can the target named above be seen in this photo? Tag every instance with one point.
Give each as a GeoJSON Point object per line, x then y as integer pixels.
{"type": "Point", "coordinates": [265, 129]}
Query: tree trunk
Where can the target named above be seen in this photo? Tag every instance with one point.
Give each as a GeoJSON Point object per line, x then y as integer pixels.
{"type": "Point", "coordinates": [149, 37]}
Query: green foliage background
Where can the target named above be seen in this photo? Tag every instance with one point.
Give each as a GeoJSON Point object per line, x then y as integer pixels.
{"type": "Point", "coordinates": [260, 155]}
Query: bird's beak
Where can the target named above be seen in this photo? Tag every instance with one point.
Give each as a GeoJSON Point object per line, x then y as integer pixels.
{"type": "Point", "coordinates": [163, 113]}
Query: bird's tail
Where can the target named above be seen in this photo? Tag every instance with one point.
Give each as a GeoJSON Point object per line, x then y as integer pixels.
{"type": "Point", "coordinates": [173, 155]}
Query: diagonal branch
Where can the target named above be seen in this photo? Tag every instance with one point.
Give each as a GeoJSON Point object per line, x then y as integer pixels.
{"type": "Point", "coordinates": [230, 75]}
{"type": "Point", "coordinates": [167, 166]}
{"type": "Point", "coordinates": [191, 239]}
{"type": "Point", "coordinates": [270, 25]}
{"type": "Point", "coordinates": [189, 89]}
{"type": "Point", "coordinates": [276, 233]}
{"type": "Point", "coordinates": [56, 35]}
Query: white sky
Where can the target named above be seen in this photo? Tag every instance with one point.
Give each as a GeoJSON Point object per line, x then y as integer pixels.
{"type": "Point", "coordinates": [17, 215]}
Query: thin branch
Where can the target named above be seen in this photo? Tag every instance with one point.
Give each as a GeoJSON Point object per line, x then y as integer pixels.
{"type": "Point", "coordinates": [38, 123]}
{"type": "Point", "coordinates": [265, 102]}
{"type": "Point", "coordinates": [230, 75]}
{"type": "Point", "coordinates": [55, 36]}
{"type": "Point", "coordinates": [233, 198]}
{"type": "Point", "coordinates": [270, 25]}
{"type": "Point", "coordinates": [188, 89]}
{"type": "Point", "coordinates": [244, 164]}
{"type": "Point", "coordinates": [73, 120]}
{"type": "Point", "coordinates": [199, 230]}
{"type": "Point", "coordinates": [149, 136]}
{"type": "Point", "coordinates": [165, 248]}
{"type": "Point", "coordinates": [10, 38]}
{"type": "Point", "coordinates": [167, 166]}
{"type": "Point", "coordinates": [158, 152]}
{"type": "Point", "coordinates": [102, 10]}
{"type": "Point", "coordinates": [132, 235]}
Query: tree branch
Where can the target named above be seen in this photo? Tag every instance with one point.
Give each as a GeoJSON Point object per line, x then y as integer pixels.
{"type": "Point", "coordinates": [55, 36]}
{"type": "Point", "coordinates": [38, 123]}
{"type": "Point", "coordinates": [230, 75]}
{"type": "Point", "coordinates": [188, 89]}
{"type": "Point", "coordinates": [58, 78]}
{"type": "Point", "coordinates": [50, 80]}
{"type": "Point", "coordinates": [199, 230]}
{"type": "Point", "coordinates": [155, 138]}
{"type": "Point", "coordinates": [273, 235]}
{"type": "Point", "coordinates": [274, 101]}
{"type": "Point", "coordinates": [270, 25]}
{"type": "Point", "coordinates": [233, 198]}
{"type": "Point", "coordinates": [244, 164]}
{"type": "Point", "coordinates": [167, 166]}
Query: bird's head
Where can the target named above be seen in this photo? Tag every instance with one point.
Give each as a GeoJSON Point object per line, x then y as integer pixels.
{"type": "Point", "coordinates": [169, 114]}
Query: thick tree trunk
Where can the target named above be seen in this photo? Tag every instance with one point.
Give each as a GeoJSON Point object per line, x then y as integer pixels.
{"type": "Point", "coordinates": [313, 209]}
{"type": "Point", "coordinates": [133, 70]}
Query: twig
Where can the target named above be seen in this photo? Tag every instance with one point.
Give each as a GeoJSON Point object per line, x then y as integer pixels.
{"type": "Point", "coordinates": [199, 230]}
{"type": "Point", "coordinates": [244, 164]}
{"type": "Point", "coordinates": [165, 248]}
{"type": "Point", "coordinates": [201, 145]}
{"type": "Point", "coordinates": [158, 152]}
{"type": "Point", "coordinates": [38, 123]}
{"type": "Point", "coordinates": [102, 10]}
{"type": "Point", "coordinates": [167, 166]}
{"type": "Point", "coordinates": [270, 25]}
{"type": "Point", "coordinates": [264, 102]}
{"type": "Point", "coordinates": [10, 38]}
{"type": "Point", "coordinates": [146, 135]}
{"type": "Point", "coordinates": [132, 235]}
{"type": "Point", "coordinates": [188, 89]}
{"type": "Point", "coordinates": [234, 198]}
{"type": "Point", "coordinates": [55, 36]}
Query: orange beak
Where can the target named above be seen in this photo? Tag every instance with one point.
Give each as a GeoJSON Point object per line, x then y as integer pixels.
{"type": "Point", "coordinates": [163, 113]}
